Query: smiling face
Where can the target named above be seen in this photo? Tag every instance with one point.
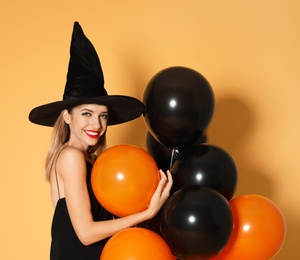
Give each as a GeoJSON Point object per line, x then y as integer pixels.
{"type": "Point", "coordinates": [87, 124]}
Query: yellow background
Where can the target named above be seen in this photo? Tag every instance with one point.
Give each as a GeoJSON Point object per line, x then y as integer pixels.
{"type": "Point", "coordinates": [248, 50]}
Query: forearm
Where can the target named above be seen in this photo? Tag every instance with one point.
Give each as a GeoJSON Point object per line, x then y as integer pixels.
{"type": "Point", "coordinates": [103, 229]}
{"type": "Point", "coordinates": [99, 230]}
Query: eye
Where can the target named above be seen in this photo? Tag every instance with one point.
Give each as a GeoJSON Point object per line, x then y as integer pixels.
{"type": "Point", "coordinates": [86, 114]}
{"type": "Point", "coordinates": [104, 116]}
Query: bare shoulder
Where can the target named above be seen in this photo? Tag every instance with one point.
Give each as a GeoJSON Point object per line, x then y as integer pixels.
{"type": "Point", "coordinates": [71, 153]}
{"type": "Point", "coordinates": [70, 160]}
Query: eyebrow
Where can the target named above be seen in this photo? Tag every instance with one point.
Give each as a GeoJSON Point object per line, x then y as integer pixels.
{"type": "Point", "coordinates": [89, 110]}
{"type": "Point", "coordinates": [84, 109]}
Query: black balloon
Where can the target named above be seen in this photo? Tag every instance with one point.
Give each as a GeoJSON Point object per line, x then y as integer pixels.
{"type": "Point", "coordinates": [160, 153]}
{"type": "Point", "coordinates": [196, 221]}
{"type": "Point", "coordinates": [163, 158]}
{"type": "Point", "coordinates": [206, 165]}
{"type": "Point", "coordinates": [163, 154]}
{"type": "Point", "coordinates": [179, 106]}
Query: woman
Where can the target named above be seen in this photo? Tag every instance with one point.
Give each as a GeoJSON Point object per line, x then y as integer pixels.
{"type": "Point", "coordinates": [81, 226]}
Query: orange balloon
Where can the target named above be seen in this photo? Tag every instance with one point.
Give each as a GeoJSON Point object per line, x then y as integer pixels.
{"type": "Point", "coordinates": [124, 178]}
{"type": "Point", "coordinates": [259, 229]}
{"type": "Point", "coordinates": [136, 244]}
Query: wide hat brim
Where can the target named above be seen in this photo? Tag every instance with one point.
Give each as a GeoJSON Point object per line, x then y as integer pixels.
{"type": "Point", "coordinates": [121, 109]}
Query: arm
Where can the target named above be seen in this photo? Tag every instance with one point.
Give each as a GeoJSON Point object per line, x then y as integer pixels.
{"type": "Point", "coordinates": [72, 169]}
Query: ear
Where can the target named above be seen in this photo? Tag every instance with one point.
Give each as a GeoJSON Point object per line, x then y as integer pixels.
{"type": "Point", "coordinates": [67, 116]}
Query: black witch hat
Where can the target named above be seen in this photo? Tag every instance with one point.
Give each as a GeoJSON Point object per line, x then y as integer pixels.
{"type": "Point", "coordinates": [85, 85]}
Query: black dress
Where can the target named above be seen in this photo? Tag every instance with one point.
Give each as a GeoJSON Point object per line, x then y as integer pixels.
{"type": "Point", "coordinates": [65, 244]}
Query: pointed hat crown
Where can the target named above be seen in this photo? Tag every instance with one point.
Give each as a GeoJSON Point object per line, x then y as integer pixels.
{"type": "Point", "coordinates": [85, 77]}
{"type": "Point", "coordinates": [85, 85]}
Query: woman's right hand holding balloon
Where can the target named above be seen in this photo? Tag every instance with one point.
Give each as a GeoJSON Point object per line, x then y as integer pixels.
{"type": "Point", "coordinates": [161, 193]}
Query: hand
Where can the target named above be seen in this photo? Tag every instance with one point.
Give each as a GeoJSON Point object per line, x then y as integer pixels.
{"type": "Point", "coordinates": [161, 193]}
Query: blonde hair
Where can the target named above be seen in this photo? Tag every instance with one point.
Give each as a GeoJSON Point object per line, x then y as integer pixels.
{"type": "Point", "coordinates": [60, 135]}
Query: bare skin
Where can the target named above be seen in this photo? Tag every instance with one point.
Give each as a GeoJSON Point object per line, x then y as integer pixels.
{"type": "Point", "coordinates": [87, 124]}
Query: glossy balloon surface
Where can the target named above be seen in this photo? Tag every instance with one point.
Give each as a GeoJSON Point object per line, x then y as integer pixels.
{"type": "Point", "coordinates": [206, 165]}
{"type": "Point", "coordinates": [136, 244]}
{"type": "Point", "coordinates": [124, 178]}
{"type": "Point", "coordinates": [259, 229]}
{"type": "Point", "coordinates": [196, 222]}
{"type": "Point", "coordinates": [179, 106]}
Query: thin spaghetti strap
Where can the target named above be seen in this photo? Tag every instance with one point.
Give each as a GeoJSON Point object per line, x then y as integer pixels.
{"type": "Point", "coordinates": [56, 172]}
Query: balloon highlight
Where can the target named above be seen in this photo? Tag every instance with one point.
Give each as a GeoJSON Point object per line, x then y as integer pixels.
{"type": "Point", "coordinates": [124, 178]}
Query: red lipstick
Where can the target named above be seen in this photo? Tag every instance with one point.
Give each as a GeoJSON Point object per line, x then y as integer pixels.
{"type": "Point", "coordinates": [92, 134]}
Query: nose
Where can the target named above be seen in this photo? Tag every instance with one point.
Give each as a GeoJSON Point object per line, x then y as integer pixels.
{"type": "Point", "coordinates": [97, 124]}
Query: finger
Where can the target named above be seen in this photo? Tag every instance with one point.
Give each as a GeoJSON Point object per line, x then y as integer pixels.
{"type": "Point", "coordinates": [170, 177]}
{"type": "Point", "coordinates": [167, 184]}
{"type": "Point", "coordinates": [163, 176]}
